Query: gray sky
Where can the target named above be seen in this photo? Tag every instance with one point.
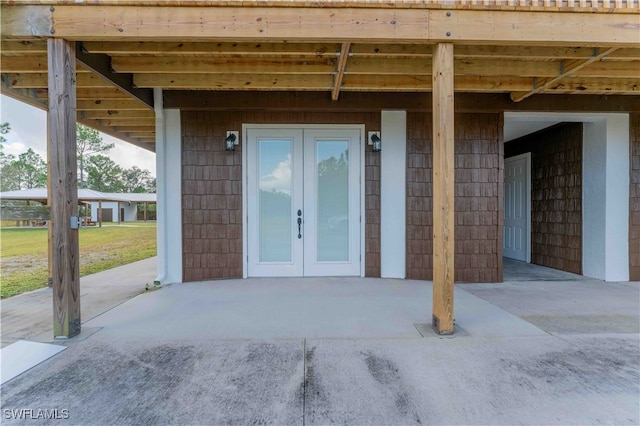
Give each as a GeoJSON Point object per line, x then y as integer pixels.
{"type": "Point", "coordinates": [29, 130]}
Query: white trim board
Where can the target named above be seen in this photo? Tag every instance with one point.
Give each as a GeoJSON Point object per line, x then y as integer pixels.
{"type": "Point", "coordinates": [393, 191]}
{"type": "Point", "coordinates": [169, 193]}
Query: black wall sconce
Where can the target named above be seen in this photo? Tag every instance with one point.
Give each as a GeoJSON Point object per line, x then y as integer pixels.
{"type": "Point", "coordinates": [375, 141]}
{"type": "Point", "coordinates": [231, 141]}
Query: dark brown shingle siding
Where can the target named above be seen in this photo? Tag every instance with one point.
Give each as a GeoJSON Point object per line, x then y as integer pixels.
{"type": "Point", "coordinates": [478, 197]}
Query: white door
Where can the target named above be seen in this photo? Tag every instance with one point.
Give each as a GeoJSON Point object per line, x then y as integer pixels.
{"type": "Point", "coordinates": [303, 202]}
{"type": "Point", "coordinates": [516, 204]}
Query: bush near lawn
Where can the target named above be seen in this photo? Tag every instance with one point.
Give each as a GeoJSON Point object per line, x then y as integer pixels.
{"type": "Point", "coordinates": [23, 253]}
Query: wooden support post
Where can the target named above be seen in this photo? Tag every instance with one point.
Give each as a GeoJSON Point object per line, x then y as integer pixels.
{"type": "Point", "coordinates": [64, 187]}
{"type": "Point", "coordinates": [100, 213]}
{"type": "Point", "coordinates": [145, 211]}
{"type": "Point", "coordinates": [49, 225]}
{"type": "Point", "coordinates": [119, 214]}
{"type": "Point", "coordinates": [443, 188]}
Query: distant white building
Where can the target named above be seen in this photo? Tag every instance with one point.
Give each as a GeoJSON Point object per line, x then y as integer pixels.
{"type": "Point", "coordinates": [116, 207]}
{"type": "Point", "coordinates": [124, 205]}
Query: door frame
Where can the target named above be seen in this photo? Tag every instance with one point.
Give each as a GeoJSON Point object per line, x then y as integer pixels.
{"type": "Point", "coordinates": [303, 127]}
{"type": "Point", "coordinates": [526, 156]}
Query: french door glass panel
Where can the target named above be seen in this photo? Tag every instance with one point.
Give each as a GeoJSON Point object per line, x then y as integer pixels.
{"type": "Point", "coordinates": [275, 200]}
{"type": "Point", "coordinates": [332, 200]}
{"type": "Point", "coordinates": [274, 190]}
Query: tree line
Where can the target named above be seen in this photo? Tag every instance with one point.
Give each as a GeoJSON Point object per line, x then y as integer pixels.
{"type": "Point", "coordinates": [95, 169]}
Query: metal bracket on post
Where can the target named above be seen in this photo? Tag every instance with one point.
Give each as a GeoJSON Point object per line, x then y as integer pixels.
{"type": "Point", "coordinates": [75, 222]}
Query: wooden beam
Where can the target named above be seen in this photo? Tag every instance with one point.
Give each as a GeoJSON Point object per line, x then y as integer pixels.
{"type": "Point", "coordinates": [406, 83]}
{"type": "Point", "coordinates": [371, 66]}
{"type": "Point", "coordinates": [570, 69]}
{"type": "Point", "coordinates": [24, 64]}
{"type": "Point", "coordinates": [111, 131]}
{"type": "Point", "coordinates": [21, 47]}
{"type": "Point", "coordinates": [342, 64]}
{"type": "Point", "coordinates": [118, 114]}
{"type": "Point", "coordinates": [91, 94]}
{"type": "Point", "coordinates": [538, 53]}
{"type": "Point", "coordinates": [379, 83]}
{"type": "Point", "coordinates": [113, 122]}
{"type": "Point", "coordinates": [319, 50]}
{"type": "Point", "coordinates": [265, 24]}
{"type": "Point", "coordinates": [351, 82]}
{"type": "Point", "coordinates": [142, 136]}
{"type": "Point", "coordinates": [328, 50]}
{"type": "Point", "coordinates": [494, 84]}
{"type": "Point", "coordinates": [359, 82]}
{"type": "Point", "coordinates": [39, 81]}
{"type": "Point", "coordinates": [180, 65]}
{"type": "Point", "coordinates": [485, 67]}
{"type": "Point", "coordinates": [213, 49]}
{"type": "Point", "coordinates": [534, 28]}
{"type": "Point", "coordinates": [22, 21]}
{"type": "Point", "coordinates": [63, 188]}
{"type": "Point", "coordinates": [376, 101]}
{"type": "Point", "coordinates": [235, 81]}
{"type": "Point", "coordinates": [526, 68]}
{"type": "Point", "coordinates": [135, 128]}
{"type": "Point", "coordinates": [100, 64]}
{"type": "Point", "coordinates": [109, 104]}
{"type": "Point", "coordinates": [28, 96]}
{"type": "Point", "coordinates": [311, 25]}
{"type": "Point", "coordinates": [443, 188]}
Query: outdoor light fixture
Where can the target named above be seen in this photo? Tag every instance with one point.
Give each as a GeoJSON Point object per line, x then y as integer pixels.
{"type": "Point", "coordinates": [375, 141]}
{"type": "Point", "coordinates": [231, 141]}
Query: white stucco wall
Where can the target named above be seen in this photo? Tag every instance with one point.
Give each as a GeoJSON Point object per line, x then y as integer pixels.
{"type": "Point", "coordinates": [169, 192]}
{"type": "Point", "coordinates": [605, 183]}
{"type": "Point", "coordinates": [393, 194]}
{"type": "Point", "coordinates": [617, 201]}
{"type": "Point", "coordinates": [594, 211]}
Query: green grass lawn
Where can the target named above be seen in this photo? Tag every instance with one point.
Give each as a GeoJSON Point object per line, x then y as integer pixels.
{"type": "Point", "coordinates": [23, 252]}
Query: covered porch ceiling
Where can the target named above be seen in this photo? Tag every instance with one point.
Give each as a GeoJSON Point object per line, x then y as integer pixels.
{"type": "Point", "coordinates": [199, 52]}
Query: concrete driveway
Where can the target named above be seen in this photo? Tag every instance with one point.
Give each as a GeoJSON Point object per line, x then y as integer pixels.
{"type": "Point", "coordinates": [347, 351]}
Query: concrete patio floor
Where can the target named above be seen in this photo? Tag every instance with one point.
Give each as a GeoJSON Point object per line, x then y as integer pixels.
{"type": "Point", "coordinates": [347, 351]}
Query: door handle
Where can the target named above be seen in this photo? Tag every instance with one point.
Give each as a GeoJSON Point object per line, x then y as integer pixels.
{"type": "Point", "coordinates": [299, 224]}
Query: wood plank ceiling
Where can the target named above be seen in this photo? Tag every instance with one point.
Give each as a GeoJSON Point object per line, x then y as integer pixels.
{"type": "Point", "coordinates": [327, 67]}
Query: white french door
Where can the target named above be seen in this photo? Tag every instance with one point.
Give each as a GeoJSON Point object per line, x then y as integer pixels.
{"type": "Point", "coordinates": [516, 207]}
{"type": "Point", "coordinates": [303, 201]}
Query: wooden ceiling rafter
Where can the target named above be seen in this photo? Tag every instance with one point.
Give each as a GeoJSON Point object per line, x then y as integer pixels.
{"type": "Point", "coordinates": [225, 65]}
{"type": "Point", "coordinates": [564, 72]}
{"type": "Point", "coordinates": [116, 114]}
{"type": "Point", "coordinates": [373, 50]}
{"type": "Point", "coordinates": [340, 69]}
{"type": "Point", "coordinates": [212, 49]}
